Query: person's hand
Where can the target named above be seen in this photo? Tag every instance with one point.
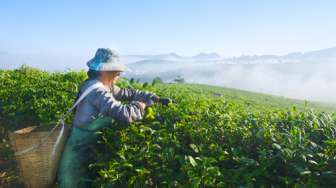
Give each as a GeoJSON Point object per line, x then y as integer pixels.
{"type": "Point", "coordinates": [157, 99]}
{"type": "Point", "coordinates": [142, 105]}
{"type": "Point", "coordinates": [149, 103]}
{"type": "Point", "coordinates": [165, 101]}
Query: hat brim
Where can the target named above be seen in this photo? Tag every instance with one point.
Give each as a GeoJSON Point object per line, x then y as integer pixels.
{"type": "Point", "coordinates": [113, 67]}
{"type": "Point", "coordinates": [107, 66]}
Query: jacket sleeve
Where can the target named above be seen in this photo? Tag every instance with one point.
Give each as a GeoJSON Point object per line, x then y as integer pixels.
{"type": "Point", "coordinates": [107, 105]}
{"type": "Point", "coordinates": [128, 94]}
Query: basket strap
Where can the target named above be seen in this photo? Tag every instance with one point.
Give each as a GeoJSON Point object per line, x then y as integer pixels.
{"type": "Point", "coordinates": [82, 96]}
{"type": "Point", "coordinates": [60, 122]}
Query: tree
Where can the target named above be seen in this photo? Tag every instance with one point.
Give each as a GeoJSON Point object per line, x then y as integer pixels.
{"type": "Point", "coordinates": [156, 80]}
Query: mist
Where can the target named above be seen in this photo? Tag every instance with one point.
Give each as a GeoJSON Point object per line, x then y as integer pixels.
{"type": "Point", "coordinates": [305, 81]}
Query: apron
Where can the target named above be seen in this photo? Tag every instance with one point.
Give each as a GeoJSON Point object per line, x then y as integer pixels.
{"type": "Point", "coordinates": [78, 154]}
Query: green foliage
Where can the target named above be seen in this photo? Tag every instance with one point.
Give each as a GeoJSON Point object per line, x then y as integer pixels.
{"type": "Point", "coordinates": [209, 137]}
{"type": "Point", "coordinates": [214, 141]}
{"type": "Point", "coordinates": [132, 81]}
{"type": "Point", "coordinates": [157, 80]}
{"type": "Point", "coordinates": [145, 85]}
{"type": "Point", "coordinates": [33, 97]}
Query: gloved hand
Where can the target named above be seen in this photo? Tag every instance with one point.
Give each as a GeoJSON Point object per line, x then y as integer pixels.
{"type": "Point", "coordinates": [165, 101]}
{"type": "Point", "coordinates": [154, 99]}
{"type": "Point", "coordinates": [149, 103]}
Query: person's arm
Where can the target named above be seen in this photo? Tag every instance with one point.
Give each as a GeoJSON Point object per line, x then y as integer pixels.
{"type": "Point", "coordinates": [107, 105]}
{"type": "Point", "coordinates": [128, 94]}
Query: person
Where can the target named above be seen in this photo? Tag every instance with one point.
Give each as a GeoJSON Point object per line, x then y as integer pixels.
{"type": "Point", "coordinates": [90, 114]}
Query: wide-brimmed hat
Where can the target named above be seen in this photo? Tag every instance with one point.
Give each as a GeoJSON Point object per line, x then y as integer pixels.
{"type": "Point", "coordinates": [106, 59]}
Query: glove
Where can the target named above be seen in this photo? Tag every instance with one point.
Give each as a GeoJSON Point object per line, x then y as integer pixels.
{"type": "Point", "coordinates": [165, 101]}
{"type": "Point", "coordinates": [149, 103]}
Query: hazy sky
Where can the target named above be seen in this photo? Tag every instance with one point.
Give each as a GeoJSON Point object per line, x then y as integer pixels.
{"type": "Point", "coordinates": [187, 27]}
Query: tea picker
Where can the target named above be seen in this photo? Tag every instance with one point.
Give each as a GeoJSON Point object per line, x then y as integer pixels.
{"type": "Point", "coordinates": [97, 111]}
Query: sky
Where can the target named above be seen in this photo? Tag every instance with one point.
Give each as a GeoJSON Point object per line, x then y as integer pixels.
{"type": "Point", "coordinates": [187, 27]}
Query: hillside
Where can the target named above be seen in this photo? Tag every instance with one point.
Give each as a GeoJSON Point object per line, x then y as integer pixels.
{"type": "Point", "coordinates": [209, 136]}
{"type": "Point", "coordinates": [252, 98]}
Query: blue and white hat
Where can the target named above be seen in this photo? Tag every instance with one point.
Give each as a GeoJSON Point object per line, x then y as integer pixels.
{"type": "Point", "coordinates": [106, 60]}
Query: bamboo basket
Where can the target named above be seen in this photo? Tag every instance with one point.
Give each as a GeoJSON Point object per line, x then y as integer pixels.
{"type": "Point", "coordinates": [38, 165]}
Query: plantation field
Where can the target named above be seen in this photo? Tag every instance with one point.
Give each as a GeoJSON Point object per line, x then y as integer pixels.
{"type": "Point", "coordinates": [209, 137]}
{"type": "Point", "coordinates": [253, 98]}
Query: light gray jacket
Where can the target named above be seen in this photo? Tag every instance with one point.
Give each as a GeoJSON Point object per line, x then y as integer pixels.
{"type": "Point", "coordinates": [105, 101]}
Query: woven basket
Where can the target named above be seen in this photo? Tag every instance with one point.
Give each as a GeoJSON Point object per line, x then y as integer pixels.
{"type": "Point", "coordinates": [38, 166]}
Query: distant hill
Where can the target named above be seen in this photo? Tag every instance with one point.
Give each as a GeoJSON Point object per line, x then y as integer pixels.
{"type": "Point", "coordinates": [324, 55]}
{"type": "Point", "coordinates": [207, 56]}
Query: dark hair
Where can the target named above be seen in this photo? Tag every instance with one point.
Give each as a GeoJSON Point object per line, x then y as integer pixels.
{"type": "Point", "coordinates": [92, 74]}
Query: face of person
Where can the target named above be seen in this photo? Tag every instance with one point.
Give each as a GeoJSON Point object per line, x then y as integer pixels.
{"type": "Point", "coordinates": [110, 76]}
{"type": "Point", "coordinates": [115, 76]}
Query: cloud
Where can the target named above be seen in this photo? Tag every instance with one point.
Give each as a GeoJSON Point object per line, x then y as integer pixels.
{"type": "Point", "coordinates": [308, 81]}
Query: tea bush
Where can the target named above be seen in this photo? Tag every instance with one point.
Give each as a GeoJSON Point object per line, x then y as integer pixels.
{"type": "Point", "coordinates": [209, 137]}
{"type": "Point", "coordinates": [206, 141]}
